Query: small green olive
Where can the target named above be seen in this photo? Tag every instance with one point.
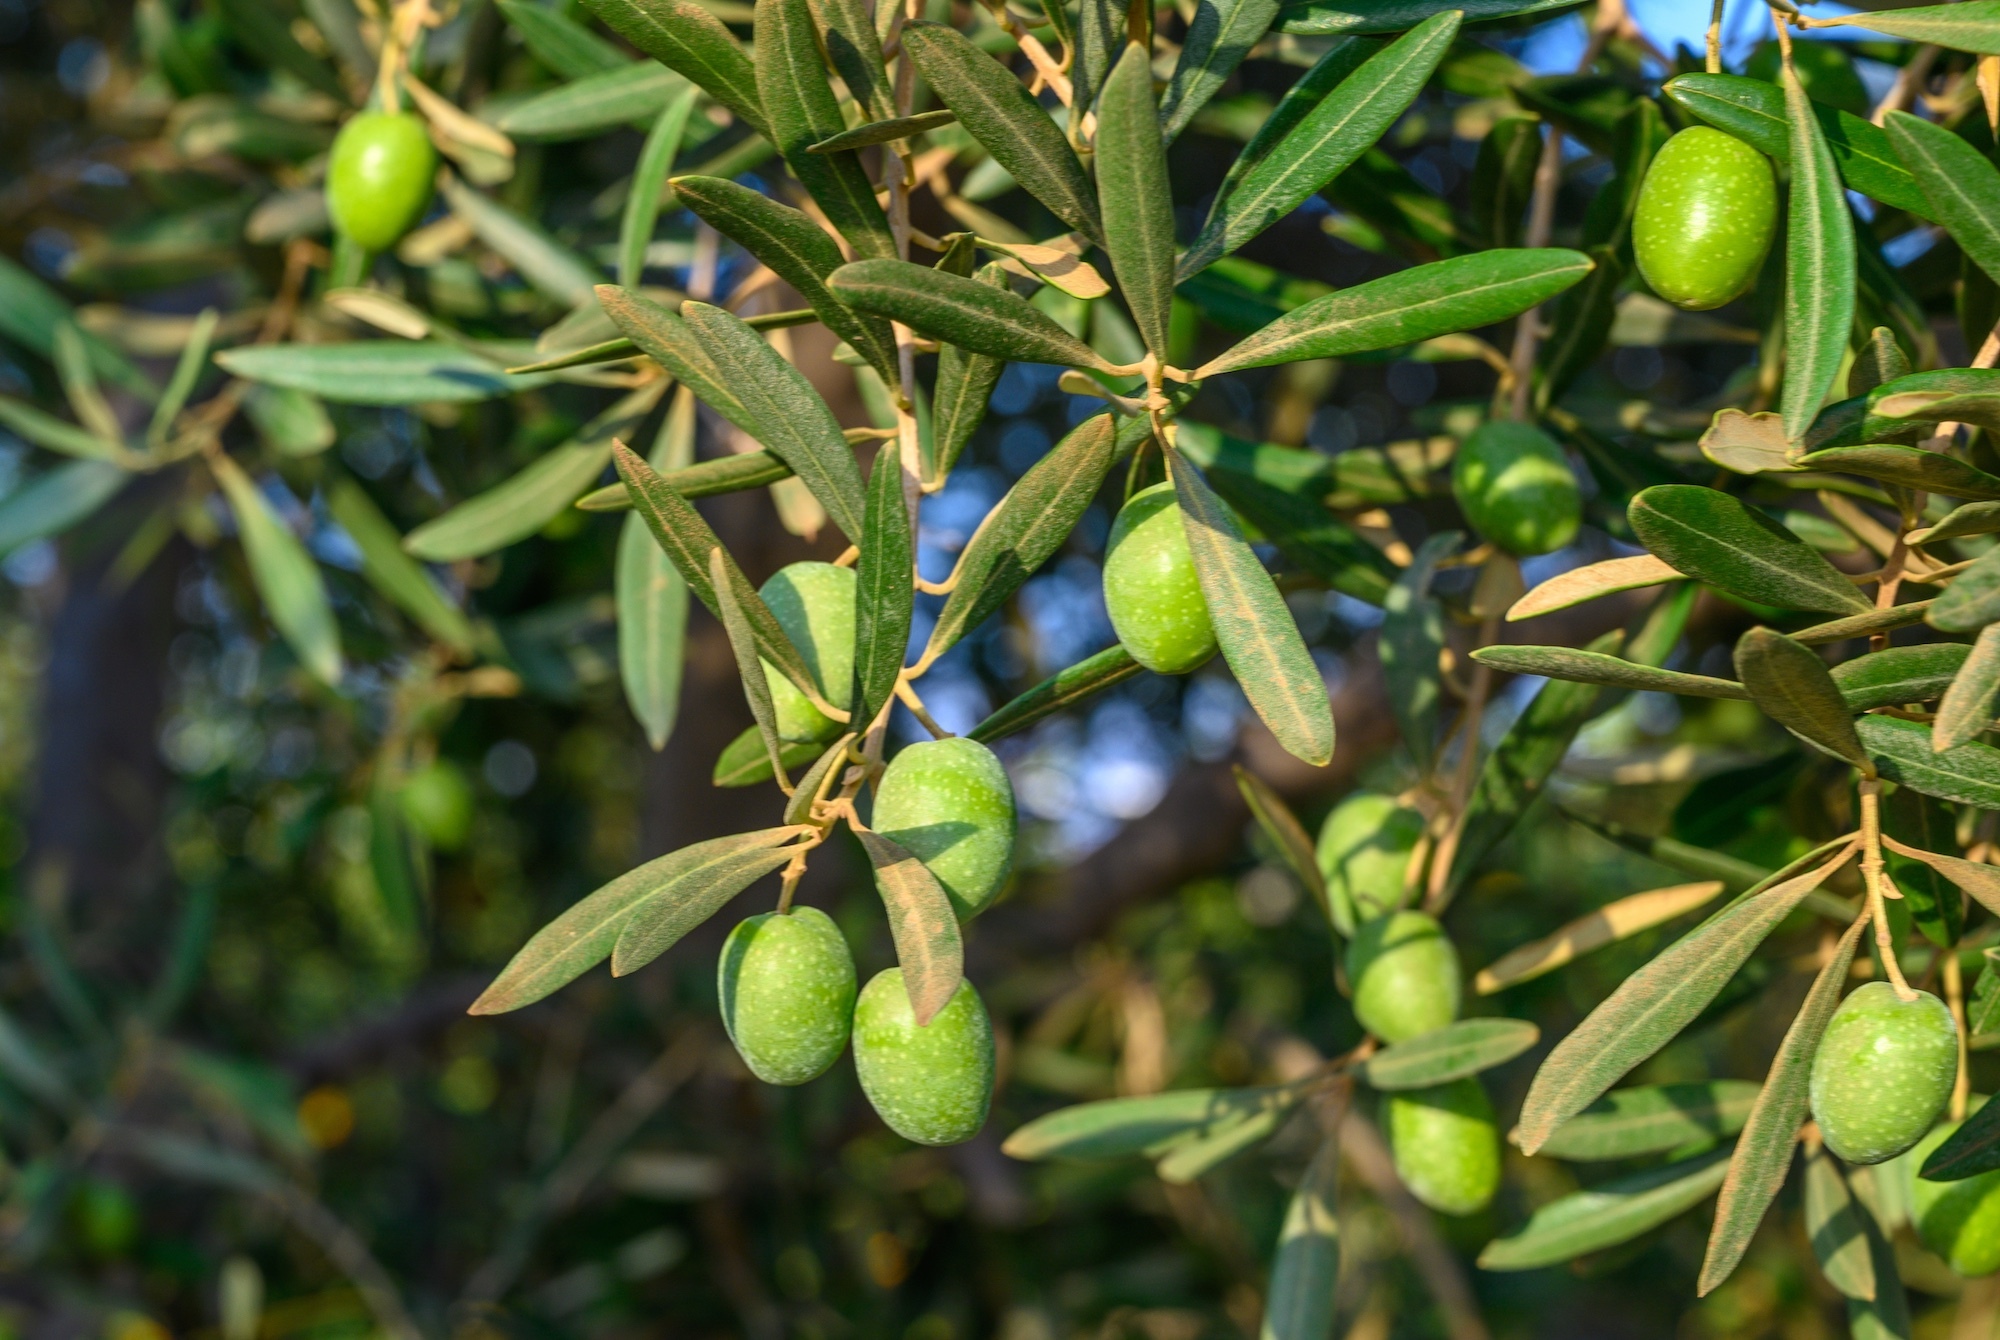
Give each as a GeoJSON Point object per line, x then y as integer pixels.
{"type": "Point", "coordinates": [1515, 486]}
{"type": "Point", "coordinates": [1150, 588]}
{"type": "Point", "coordinates": [949, 803]}
{"type": "Point", "coordinates": [438, 802]}
{"type": "Point", "coordinates": [786, 983]}
{"type": "Point", "coordinates": [931, 1084]}
{"type": "Point", "coordinates": [1405, 976]}
{"type": "Point", "coordinates": [1960, 1221]}
{"type": "Point", "coordinates": [814, 604]}
{"type": "Point", "coordinates": [1706, 214]}
{"type": "Point", "coordinates": [1882, 1073]}
{"type": "Point", "coordinates": [378, 177]}
{"type": "Point", "coordinates": [1446, 1144]}
{"type": "Point", "coordinates": [1364, 852]}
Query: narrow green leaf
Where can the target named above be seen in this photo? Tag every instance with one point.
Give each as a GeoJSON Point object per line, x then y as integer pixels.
{"type": "Point", "coordinates": [1580, 326]}
{"type": "Point", "coordinates": [1903, 752]}
{"type": "Point", "coordinates": [55, 500]}
{"type": "Point", "coordinates": [266, 30]}
{"type": "Point", "coordinates": [1790, 683]}
{"type": "Point", "coordinates": [550, 267]}
{"type": "Point", "coordinates": [565, 46]}
{"type": "Point", "coordinates": [749, 667]}
{"type": "Point", "coordinates": [1310, 536]}
{"type": "Point", "coordinates": [885, 132]}
{"type": "Point", "coordinates": [921, 922]}
{"type": "Point", "coordinates": [652, 596]}
{"type": "Point", "coordinates": [1101, 29]}
{"type": "Point", "coordinates": [980, 318]}
{"type": "Point", "coordinates": [798, 252]}
{"type": "Point", "coordinates": [1972, 601]}
{"type": "Point", "coordinates": [1971, 26]}
{"type": "Point", "coordinates": [1331, 136]}
{"type": "Point", "coordinates": [376, 372]}
{"type": "Point", "coordinates": [1834, 1227]}
{"type": "Point", "coordinates": [1764, 1150]}
{"type": "Point", "coordinates": [798, 805]}
{"type": "Point", "coordinates": [79, 383]}
{"type": "Point", "coordinates": [656, 924]}
{"type": "Point", "coordinates": [723, 474]}
{"type": "Point", "coordinates": [521, 505]}
{"type": "Point", "coordinates": [1898, 675]}
{"type": "Point", "coordinates": [692, 42]}
{"type": "Point", "coordinates": [1452, 1052]}
{"type": "Point", "coordinates": [1024, 529]}
{"type": "Point", "coordinates": [31, 312]}
{"type": "Point", "coordinates": [1412, 639]}
{"type": "Point", "coordinates": [1887, 1316]}
{"type": "Point", "coordinates": [1819, 267]}
{"type": "Point", "coordinates": [1716, 538]}
{"type": "Point", "coordinates": [287, 579]}
{"type": "Point", "coordinates": [799, 102]}
{"type": "Point", "coordinates": [1117, 1127]}
{"type": "Point", "coordinates": [630, 94]}
{"type": "Point", "coordinates": [45, 430]}
{"type": "Point", "coordinates": [192, 363]}
{"type": "Point", "coordinates": [1972, 1149]}
{"type": "Point", "coordinates": [1113, 665]}
{"type": "Point", "coordinates": [642, 202]}
{"type": "Point", "coordinates": [1131, 162]}
{"type": "Point", "coordinates": [1606, 1215]}
{"type": "Point", "coordinates": [666, 339]}
{"type": "Point", "coordinates": [1503, 177]}
{"type": "Point", "coordinates": [797, 426]}
{"type": "Point", "coordinates": [1653, 1119]}
{"type": "Point", "coordinates": [743, 761]}
{"type": "Point", "coordinates": [1913, 821]}
{"type": "Point", "coordinates": [1331, 17]}
{"type": "Point", "coordinates": [854, 49]}
{"type": "Point", "coordinates": [1863, 625]}
{"type": "Point", "coordinates": [1196, 1155]}
{"type": "Point", "coordinates": [1654, 1004]}
{"type": "Point", "coordinates": [393, 572]}
{"type": "Point", "coordinates": [1980, 518]}
{"type": "Point", "coordinates": [965, 382]}
{"type": "Point", "coordinates": [1284, 830]}
{"type": "Point", "coordinates": [884, 594]}
{"type": "Point", "coordinates": [1298, 1304]}
{"type": "Point", "coordinates": [1342, 59]}
{"type": "Point", "coordinates": [1971, 703]}
{"type": "Point", "coordinates": [1252, 623]}
{"type": "Point", "coordinates": [1441, 298]}
{"type": "Point", "coordinates": [1911, 467]}
{"type": "Point", "coordinates": [1960, 182]}
{"type": "Point", "coordinates": [1219, 37]}
{"type": "Point", "coordinates": [1611, 672]}
{"type": "Point", "coordinates": [998, 112]}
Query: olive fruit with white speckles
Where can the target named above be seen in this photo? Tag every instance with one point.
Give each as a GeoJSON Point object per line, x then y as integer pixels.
{"type": "Point", "coordinates": [950, 805]}
{"type": "Point", "coordinates": [1706, 214]}
{"type": "Point", "coordinates": [378, 177]}
{"type": "Point", "coordinates": [1960, 1221]}
{"type": "Point", "coordinates": [814, 604]}
{"type": "Point", "coordinates": [1404, 973]}
{"type": "Point", "coordinates": [930, 1083]}
{"type": "Point", "coordinates": [786, 983]}
{"type": "Point", "coordinates": [1515, 486]}
{"type": "Point", "coordinates": [1883, 1072]}
{"type": "Point", "coordinates": [1150, 588]}
{"type": "Point", "coordinates": [1364, 852]}
{"type": "Point", "coordinates": [1446, 1144]}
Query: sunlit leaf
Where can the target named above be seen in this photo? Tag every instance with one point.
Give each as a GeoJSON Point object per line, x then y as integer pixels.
{"type": "Point", "coordinates": [1218, 38]}
{"type": "Point", "coordinates": [1608, 924]}
{"type": "Point", "coordinates": [689, 40]}
{"type": "Point", "coordinates": [1298, 1303]}
{"type": "Point", "coordinates": [653, 597]}
{"type": "Point", "coordinates": [377, 372]}
{"type": "Point", "coordinates": [921, 922]}
{"type": "Point", "coordinates": [1452, 1052]}
{"type": "Point", "coordinates": [1606, 1215]}
{"type": "Point", "coordinates": [1716, 538]}
{"type": "Point", "coordinates": [1066, 687]}
{"type": "Point", "coordinates": [1834, 1227]}
{"type": "Point", "coordinates": [1578, 585]}
{"type": "Point", "coordinates": [979, 317]}
{"type": "Point", "coordinates": [1903, 752]}
{"type": "Point", "coordinates": [1591, 667]}
{"type": "Point", "coordinates": [642, 203]}
{"type": "Point", "coordinates": [1652, 1119]}
{"type": "Point", "coordinates": [1971, 26]}
{"type": "Point", "coordinates": [884, 594]}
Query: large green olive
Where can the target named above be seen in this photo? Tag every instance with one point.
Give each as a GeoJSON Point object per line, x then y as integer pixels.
{"type": "Point", "coordinates": [1447, 1144]}
{"type": "Point", "coordinates": [1882, 1072]}
{"type": "Point", "coordinates": [786, 982]}
{"type": "Point", "coordinates": [378, 177]}
{"type": "Point", "coordinates": [1706, 214]}
{"type": "Point", "coordinates": [1515, 486]}
{"type": "Point", "coordinates": [814, 604]}
{"type": "Point", "coordinates": [1960, 1221]}
{"type": "Point", "coordinates": [1364, 852]}
{"type": "Point", "coordinates": [1150, 588]}
{"type": "Point", "coordinates": [949, 803]}
{"type": "Point", "coordinates": [1405, 976]}
{"type": "Point", "coordinates": [931, 1084]}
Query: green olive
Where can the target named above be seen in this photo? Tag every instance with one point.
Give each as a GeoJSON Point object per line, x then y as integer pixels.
{"type": "Point", "coordinates": [1960, 1221]}
{"type": "Point", "coordinates": [1882, 1073]}
{"type": "Point", "coordinates": [814, 604]}
{"type": "Point", "coordinates": [931, 1084]}
{"type": "Point", "coordinates": [106, 1217]}
{"type": "Point", "coordinates": [1706, 214]}
{"type": "Point", "coordinates": [1446, 1143]}
{"type": "Point", "coordinates": [1364, 852]}
{"type": "Point", "coordinates": [437, 800]}
{"type": "Point", "coordinates": [378, 178]}
{"type": "Point", "coordinates": [1150, 588]}
{"type": "Point", "coordinates": [948, 802]}
{"type": "Point", "coordinates": [1515, 486]}
{"type": "Point", "coordinates": [786, 983]}
{"type": "Point", "coordinates": [1405, 976]}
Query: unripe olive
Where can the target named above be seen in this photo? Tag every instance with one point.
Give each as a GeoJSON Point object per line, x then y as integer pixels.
{"type": "Point", "coordinates": [106, 1217]}
{"type": "Point", "coordinates": [1515, 486]}
{"type": "Point", "coordinates": [1446, 1144]}
{"type": "Point", "coordinates": [1405, 974]}
{"type": "Point", "coordinates": [948, 802]}
{"type": "Point", "coordinates": [1706, 214]}
{"type": "Point", "coordinates": [1960, 1221]}
{"type": "Point", "coordinates": [931, 1084]}
{"type": "Point", "coordinates": [786, 983]}
{"type": "Point", "coordinates": [1364, 852]}
{"type": "Point", "coordinates": [437, 800]}
{"type": "Point", "coordinates": [814, 604]}
{"type": "Point", "coordinates": [378, 178]}
{"type": "Point", "coordinates": [1150, 588]}
{"type": "Point", "coordinates": [1882, 1072]}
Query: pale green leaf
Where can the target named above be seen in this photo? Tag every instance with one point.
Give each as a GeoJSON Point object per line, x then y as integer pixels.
{"type": "Point", "coordinates": [286, 578]}
{"type": "Point", "coordinates": [1819, 267]}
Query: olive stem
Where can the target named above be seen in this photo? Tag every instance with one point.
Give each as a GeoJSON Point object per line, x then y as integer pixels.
{"type": "Point", "coordinates": [1714, 62]}
{"type": "Point", "coordinates": [1874, 876]}
{"type": "Point", "coordinates": [1438, 895]}
{"type": "Point", "coordinates": [1954, 999]}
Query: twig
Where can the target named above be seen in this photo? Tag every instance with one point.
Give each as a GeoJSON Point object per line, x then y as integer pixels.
{"type": "Point", "coordinates": [1954, 998]}
{"type": "Point", "coordinates": [1875, 877]}
{"type": "Point", "coordinates": [1714, 62]}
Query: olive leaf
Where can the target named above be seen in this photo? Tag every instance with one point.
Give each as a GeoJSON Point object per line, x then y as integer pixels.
{"type": "Point", "coordinates": [1790, 683]}
{"type": "Point", "coordinates": [1328, 138]}
{"type": "Point", "coordinates": [1503, 177]}
{"type": "Point", "coordinates": [743, 761]}
{"type": "Point", "coordinates": [1652, 1119]}
{"type": "Point", "coordinates": [1412, 640]}
{"type": "Point", "coordinates": [632, 93]}
{"type": "Point", "coordinates": [1252, 623]}
{"type": "Point", "coordinates": [1969, 706]}
{"type": "Point", "coordinates": [1654, 1004]}
{"type": "Point", "coordinates": [723, 474]}
{"type": "Point", "coordinates": [965, 312]}
{"type": "Point", "coordinates": [1981, 881]}
{"type": "Point", "coordinates": [684, 881]}
{"type": "Point", "coordinates": [1979, 518]}
{"type": "Point", "coordinates": [1138, 211]}
{"type": "Point", "coordinates": [1863, 625]}
{"type": "Point", "coordinates": [1819, 266]}
{"type": "Point", "coordinates": [55, 500]}
{"type": "Point", "coordinates": [665, 338]}
{"type": "Point", "coordinates": [1284, 830]}
{"type": "Point", "coordinates": [1441, 298]}
{"type": "Point", "coordinates": [854, 49]}
{"type": "Point", "coordinates": [1452, 1052]}
{"type": "Point", "coordinates": [1218, 38]}
{"type": "Point", "coordinates": [1606, 1215]}
{"type": "Point", "coordinates": [798, 805]}
{"type": "Point", "coordinates": [1190, 1158]}
{"type": "Point", "coordinates": [749, 667]}
{"type": "Point", "coordinates": [652, 596]}
{"type": "Point", "coordinates": [1341, 59]}
{"type": "Point", "coordinates": [1716, 538]}
{"type": "Point", "coordinates": [1972, 1149]}
{"type": "Point", "coordinates": [391, 571]}
{"type": "Point", "coordinates": [1834, 1226]}
{"type": "Point", "coordinates": [45, 430]}
{"type": "Point", "coordinates": [377, 372]}
{"type": "Point", "coordinates": [1591, 667]}
{"type": "Point", "coordinates": [886, 131]}
{"type": "Point", "coordinates": [1899, 675]}
{"type": "Point", "coordinates": [1933, 900]}
{"type": "Point", "coordinates": [1117, 1127]}
{"type": "Point", "coordinates": [1298, 1303]}
{"type": "Point", "coordinates": [1764, 1149]}
{"type": "Point", "coordinates": [1608, 924]}
{"type": "Point", "coordinates": [1310, 536]}
{"type": "Point", "coordinates": [1972, 26]}
{"type": "Point", "coordinates": [693, 43]}
{"type": "Point", "coordinates": [1904, 752]}
{"type": "Point", "coordinates": [567, 47]}
{"type": "Point", "coordinates": [1320, 17]}
{"type": "Point", "coordinates": [1608, 577]}
{"type": "Point", "coordinates": [921, 922]}
{"type": "Point", "coordinates": [642, 203]}
{"type": "Point", "coordinates": [188, 368]}
{"type": "Point", "coordinates": [884, 594]}
{"type": "Point", "coordinates": [286, 578]}
{"type": "Point", "coordinates": [1066, 687]}
{"type": "Point", "coordinates": [1911, 467]}
{"type": "Point", "coordinates": [964, 386]}
{"type": "Point", "coordinates": [549, 266]}
{"type": "Point", "coordinates": [1972, 601]}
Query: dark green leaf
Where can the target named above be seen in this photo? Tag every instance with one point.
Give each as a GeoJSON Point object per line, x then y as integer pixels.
{"type": "Point", "coordinates": [376, 372]}
{"type": "Point", "coordinates": [1412, 639]}
{"type": "Point", "coordinates": [392, 571]}
{"type": "Point", "coordinates": [1113, 665]}
{"type": "Point", "coordinates": [800, 106]}
{"type": "Point", "coordinates": [1903, 752]}
{"type": "Point", "coordinates": [1971, 703]}
{"type": "Point", "coordinates": [1971, 26]}
{"type": "Point", "coordinates": [652, 596]}
{"type": "Point", "coordinates": [1342, 58]}
{"type": "Point", "coordinates": [743, 761]}
{"type": "Point", "coordinates": [1791, 684]}
{"type": "Point", "coordinates": [666, 339]}
{"type": "Point", "coordinates": [1880, 360]}
{"type": "Point", "coordinates": [1653, 1119]}
{"type": "Point", "coordinates": [1911, 467]}
{"type": "Point", "coordinates": [266, 31]}
{"type": "Point", "coordinates": [885, 132]}
{"type": "Point", "coordinates": [1284, 830]}
{"type": "Point", "coordinates": [1611, 672]}
{"type": "Point", "coordinates": [1117, 1127]}
{"type": "Point", "coordinates": [1606, 1215]}
{"type": "Point", "coordinates": [884, 593]}
{"type": "Point", "coordinates": [646, 912]}
{"type": "Point", "coordinates": [642, 203]}
{"type": "Point", "coordinates": [1580, 329]}
{"type": "Point", "coordinates": [965, 312]}
{"type": "Point", "coordinates": [1306, 533]}
{"type": "Point", "coordinates": [1393, 16]}
{"type": "Point", "coordinates": [965, 383]}
{"type": "Point", "coordinates": [1863, 625]}
{"type": "Point", "coordinates": [854, 49]}
{"type": "Point", "coordinates": [567, 47]}
{"type": "Point", "coordinates": [1819, 267]}
{"type": "Point", "coordinates": [1132, 183]}
{"type": "Point", "coordinates": [30, 314]}
{"type": "Point", "coordinates": [1960, 182]}
{"type": "Point", "coordinates": [921, 922]}
{"type": "Point", "coordinates": [1899, 675]}
{"type": "Point", "coordinates": [1715, 538]}
{"type": "Point", "coordinates": [689, 40]}
{"type": "Point", "coordinates": [749, 667]}
{"type": "Point", "coordinates": [1918, 822]}
{"type": "Point", "coordinates": [1219, 37]}
{"type": "Point", "coordinates": [286, 578]}
{"type": "Point", "coordinates": [1972, 1149]}
{"type": "Point", "coordinates": [1503, 176]}
{"type": "Point", "coordinates": [1298, 1304]}
{"type": "Point", "coordinates": [723, 474]}
{"type": "Point", "coordinates": [1452, 1052]}
{"type": "Point", "coordinates": [1834, 1227]}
